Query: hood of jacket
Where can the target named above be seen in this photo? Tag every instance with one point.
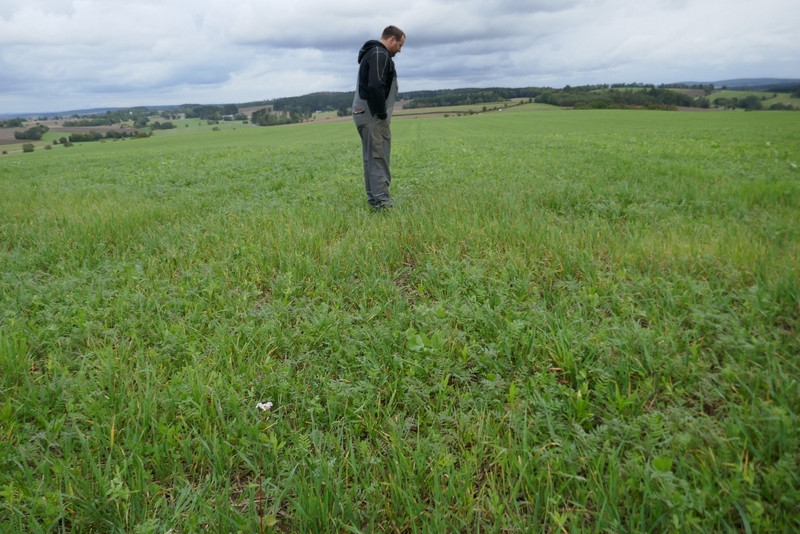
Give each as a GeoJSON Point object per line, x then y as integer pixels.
{"type": "Point", "coordinates": [369, 45]}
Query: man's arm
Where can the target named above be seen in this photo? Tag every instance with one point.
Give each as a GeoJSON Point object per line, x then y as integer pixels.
{"type": "Point", "coordinates": [376, 93]}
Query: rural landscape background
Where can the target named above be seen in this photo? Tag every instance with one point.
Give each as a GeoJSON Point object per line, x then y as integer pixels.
{"type": "Point", "coordinates": [577, 318]}
{"type": "Point", "coordinates": [751, 94]}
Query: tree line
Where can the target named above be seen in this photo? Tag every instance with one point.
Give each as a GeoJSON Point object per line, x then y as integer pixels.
{"type": "Point", "coordinates": [211, 113]}
{"type": "Point", "coordinates": [600, 96]}
{"type": "Point", "coordinates": [267, 117]}
{"type": "Point", "coordinates": [33, 133]}
{"type": "Point", "coordinates": [466, 97]}
{"type": "Point", "coordinates": [606, 97]}
{"type": "Point", "coordinates": [12, 123]}
{"type": "Point", "coordinates": [88, 137]}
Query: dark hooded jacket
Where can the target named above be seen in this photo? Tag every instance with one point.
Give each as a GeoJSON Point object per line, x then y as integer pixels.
{"type": "Point", "coordinates": [375, 76]}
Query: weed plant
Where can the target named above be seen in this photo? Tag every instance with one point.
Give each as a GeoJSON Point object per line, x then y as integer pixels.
{"type": "Point", "coordinates": [572, 321]}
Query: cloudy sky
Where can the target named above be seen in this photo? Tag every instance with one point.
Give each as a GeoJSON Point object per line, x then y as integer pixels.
{"type": "Point", "coordinates": [62, 55]}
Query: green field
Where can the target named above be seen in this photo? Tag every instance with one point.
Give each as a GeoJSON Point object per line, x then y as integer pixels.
{"type": "Point", "coordinates": [572, 321]}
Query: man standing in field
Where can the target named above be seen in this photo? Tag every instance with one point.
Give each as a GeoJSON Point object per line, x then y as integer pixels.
{"type": "Point", "coordinates": [376, 93]}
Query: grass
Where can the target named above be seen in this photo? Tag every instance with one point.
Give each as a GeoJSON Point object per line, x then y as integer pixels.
{"type": "Point", "coordinates": [572, 321]}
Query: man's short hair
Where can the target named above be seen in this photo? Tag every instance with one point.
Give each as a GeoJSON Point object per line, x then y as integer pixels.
{"type": "Point", "coordinates": [392, 31]}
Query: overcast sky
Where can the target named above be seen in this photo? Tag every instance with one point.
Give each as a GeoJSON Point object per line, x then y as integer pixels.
{"type": "Point", "coordinates": [61, 55]}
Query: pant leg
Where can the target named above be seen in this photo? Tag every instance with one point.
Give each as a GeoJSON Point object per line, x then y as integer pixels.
{"type": "Point", "coordinates": [376, 144]}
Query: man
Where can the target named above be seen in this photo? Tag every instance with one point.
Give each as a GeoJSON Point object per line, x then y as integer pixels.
{"type": "Point", "coordinates": [376, 93]}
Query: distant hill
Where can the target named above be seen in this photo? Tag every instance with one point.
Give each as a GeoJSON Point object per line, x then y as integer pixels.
{"type": "Point", "coordinates": [751, 84]}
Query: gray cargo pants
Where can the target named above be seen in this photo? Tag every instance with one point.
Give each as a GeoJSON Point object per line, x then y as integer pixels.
{"type": "Point", "coordinates": [376, 149]}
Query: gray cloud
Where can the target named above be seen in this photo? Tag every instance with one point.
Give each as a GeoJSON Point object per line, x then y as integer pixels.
{"type": "Point", "coordinates": [67, 54]}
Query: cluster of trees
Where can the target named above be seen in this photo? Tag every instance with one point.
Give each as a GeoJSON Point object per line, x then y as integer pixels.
{"type": "Point", "coordinates": [33, 133]}
{"type": "Point", "coordinates": [305, 106]}
{"type": "Point", "coordinates": [465, 97]}
{"type": "Point", "coordinates": [96, 121]}
{"type": "Point", "coordinates": [162, 125]}
{"type": "Point", "coordinates": [88, 137]}
{"type": "Point", "coordinates": [751, 103]}
{"type": "Point", "coordinates": [266, 117]}
{"type": "Point", "coordinates": [212, 113]}
{"type": "Point", "coordinates": [706, 88]}
{"type": "Point", "coordinates": [300, 108]}
{"type": "Point", "coordinates": [139, 116]}
{"type": "Point", "coordinates": [12, 123]}
{"type": "Point", "coordinates": [605, 97]}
